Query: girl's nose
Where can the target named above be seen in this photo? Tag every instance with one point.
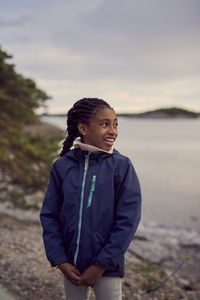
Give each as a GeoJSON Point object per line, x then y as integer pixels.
{"type": "Point", "coordinates": [112, 130]}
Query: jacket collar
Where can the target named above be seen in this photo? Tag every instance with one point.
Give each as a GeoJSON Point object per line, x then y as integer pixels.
{"type": "Point", "coordinates": [78, 153]}
{"type": "Point", "coordinates": [78, 144]}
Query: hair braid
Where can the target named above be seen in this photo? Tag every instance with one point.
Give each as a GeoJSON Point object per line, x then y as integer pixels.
{"type": "Point", "coordinates": [81, 111]}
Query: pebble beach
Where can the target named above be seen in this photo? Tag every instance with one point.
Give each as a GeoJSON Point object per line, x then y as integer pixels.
{"type": "Point", "coordinates": [160, 264]}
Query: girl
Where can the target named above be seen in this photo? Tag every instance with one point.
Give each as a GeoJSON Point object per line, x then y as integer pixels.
{"type": "Point", "coordinates": [92, 206]}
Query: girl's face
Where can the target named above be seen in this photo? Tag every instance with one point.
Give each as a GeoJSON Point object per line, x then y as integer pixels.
{"type": "Point", "coordinates": [102, 129]}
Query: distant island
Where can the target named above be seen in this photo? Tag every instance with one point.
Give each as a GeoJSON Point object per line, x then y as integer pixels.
{"type": "Point", "coordinates": [161, 113]}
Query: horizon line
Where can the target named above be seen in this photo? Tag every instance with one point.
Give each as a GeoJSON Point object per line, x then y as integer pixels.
{"type": "Point", "coordinates": [59, 112]}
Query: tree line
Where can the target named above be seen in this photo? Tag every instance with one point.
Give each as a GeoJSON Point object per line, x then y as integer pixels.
{"type": "Point", "coordinates": [25, 159]}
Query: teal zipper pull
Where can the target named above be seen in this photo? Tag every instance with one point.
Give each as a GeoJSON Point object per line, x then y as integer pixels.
{"type": "Point", "coordinates": [92, 189]}
{"type": "Point", "coordinates": [93, 183]}
{"type": "Point", "coordinates": [86, 162]}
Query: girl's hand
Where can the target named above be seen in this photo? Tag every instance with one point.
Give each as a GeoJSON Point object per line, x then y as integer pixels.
{"type": "Point", "coordinates": [91, 275]}
{"type": "Point", "coordinates": [71, 273]}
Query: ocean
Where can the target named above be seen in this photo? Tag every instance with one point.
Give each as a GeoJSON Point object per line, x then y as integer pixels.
{"type": "Point", "coordinates": [166, 156]}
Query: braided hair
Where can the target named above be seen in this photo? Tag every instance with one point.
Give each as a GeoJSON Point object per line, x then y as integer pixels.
{"type": "Point", "coordinates": [82, 111]}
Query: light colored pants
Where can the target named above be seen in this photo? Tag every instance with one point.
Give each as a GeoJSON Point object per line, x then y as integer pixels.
{"type": "Point", "coordinates": [107, 288]}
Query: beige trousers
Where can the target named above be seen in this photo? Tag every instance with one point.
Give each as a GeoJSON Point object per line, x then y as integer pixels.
{"type": "Point", "coordinates": [107, 288]}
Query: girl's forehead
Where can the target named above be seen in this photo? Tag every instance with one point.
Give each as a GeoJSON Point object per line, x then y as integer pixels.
{"type": "Point", "coordinates": [105, 113]}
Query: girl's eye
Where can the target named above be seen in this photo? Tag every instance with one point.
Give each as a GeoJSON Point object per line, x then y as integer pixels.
{"type": "Point", "coordinates": [105, 124]}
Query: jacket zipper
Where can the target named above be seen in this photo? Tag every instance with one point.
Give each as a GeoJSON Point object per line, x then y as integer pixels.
{"type": "Point", "coordinates": [92, 189]}
{"type": "Point", "coordinates": [81, 207]}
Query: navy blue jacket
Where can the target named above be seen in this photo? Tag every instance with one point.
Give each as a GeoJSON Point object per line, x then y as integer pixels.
{"type": "Point", "coordinates": [91, 210]}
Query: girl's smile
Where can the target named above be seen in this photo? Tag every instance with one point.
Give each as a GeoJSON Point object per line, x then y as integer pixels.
{"type": "Point", "coordinates": [102, 129]}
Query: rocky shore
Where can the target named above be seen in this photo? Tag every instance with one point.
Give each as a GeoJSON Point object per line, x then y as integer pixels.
{"type": "Point", "coordinates": [161, 263]}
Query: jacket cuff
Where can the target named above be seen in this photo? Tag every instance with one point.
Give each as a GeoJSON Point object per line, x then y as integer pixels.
{"type": "Point", "coordinates": [104, 265]}
{"type": "Point", "coordinates": [59, 261]}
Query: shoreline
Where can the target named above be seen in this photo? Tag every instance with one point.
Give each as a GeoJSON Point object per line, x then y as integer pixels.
{"type": "Point", "coordinates": [155, 253]}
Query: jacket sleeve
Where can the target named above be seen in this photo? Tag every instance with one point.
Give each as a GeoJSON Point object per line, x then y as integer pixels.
{"type": "Point", "coordinates": [49, 216]}
{"type": "Point", "coordinates": [127, 217]}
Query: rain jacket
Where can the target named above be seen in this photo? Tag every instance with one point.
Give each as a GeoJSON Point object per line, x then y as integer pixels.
{"type": "Point", "coordinates": [91, 210]}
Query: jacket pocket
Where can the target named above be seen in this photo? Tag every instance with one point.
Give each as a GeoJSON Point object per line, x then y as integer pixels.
{"type": "Point", "coordinates": [92, 189]}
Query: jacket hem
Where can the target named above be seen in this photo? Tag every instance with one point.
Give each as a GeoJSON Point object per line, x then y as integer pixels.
{"type": "Point", "coordinates": [113, 274]}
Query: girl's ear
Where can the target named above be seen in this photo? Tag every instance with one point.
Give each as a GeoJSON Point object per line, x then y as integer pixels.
{"type": "Point", "coordinates": [82, 128]}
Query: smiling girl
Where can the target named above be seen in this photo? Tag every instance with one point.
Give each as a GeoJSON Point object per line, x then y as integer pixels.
{"type": "Point", "coordinates": [92, 206]}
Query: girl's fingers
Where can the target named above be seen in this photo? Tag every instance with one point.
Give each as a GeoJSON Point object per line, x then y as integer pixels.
{"type": "Point", "coordinates": [77, 272]}
{"type": "Point", "coordinates": [77, 282]}
{"type": "Point", "coordinates": [76, 277]}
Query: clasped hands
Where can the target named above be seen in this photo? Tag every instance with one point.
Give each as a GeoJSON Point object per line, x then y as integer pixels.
{"type": "Point", "coordinates": [88, 278]}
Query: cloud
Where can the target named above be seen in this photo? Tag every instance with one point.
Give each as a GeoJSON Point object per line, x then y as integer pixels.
{"type": "Point", "coordinates": [15, 22]}
{"type": "Point", "coordinates": [144, 52]}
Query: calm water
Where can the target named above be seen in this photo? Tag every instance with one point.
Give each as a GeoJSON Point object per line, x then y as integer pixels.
{"type": "Point", "coordinates": [166, 156]}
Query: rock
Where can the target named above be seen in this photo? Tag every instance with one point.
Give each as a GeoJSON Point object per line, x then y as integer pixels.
{"type": "Point", "coordinates": [182, 282]}
{"type": "Point", "coordinates": [35, 198]}
{"type": "Point", "coordinates": [192, 287]}
{"type": "Point", "coordinates": [43, 128]}
{"type": "Point", "coordinates": [150, 251]}
{"type": "Point", "coordinates": [191, 244]}
{"type": "Point", "coordinates": [25, 215]}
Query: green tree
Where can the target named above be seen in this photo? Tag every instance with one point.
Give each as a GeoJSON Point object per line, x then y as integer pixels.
{"type": "Point", "coordinates": [19, 96]}
{"type": "Point", "coordinates": [25, 160]}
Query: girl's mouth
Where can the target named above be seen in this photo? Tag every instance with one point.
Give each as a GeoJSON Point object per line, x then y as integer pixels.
{"type": "Point", "coordinates": [110, 141]}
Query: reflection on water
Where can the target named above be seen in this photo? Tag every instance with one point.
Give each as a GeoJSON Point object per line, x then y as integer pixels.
{"type": "Point", "coordinates": [166, 155]}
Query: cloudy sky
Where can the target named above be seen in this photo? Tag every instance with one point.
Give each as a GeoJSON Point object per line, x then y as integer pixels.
{"type": "Point", "coordinates": [135, 54]}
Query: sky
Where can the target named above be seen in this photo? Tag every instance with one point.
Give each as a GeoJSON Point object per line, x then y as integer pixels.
{"type": "Point", "coordinates": [138, 55]}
